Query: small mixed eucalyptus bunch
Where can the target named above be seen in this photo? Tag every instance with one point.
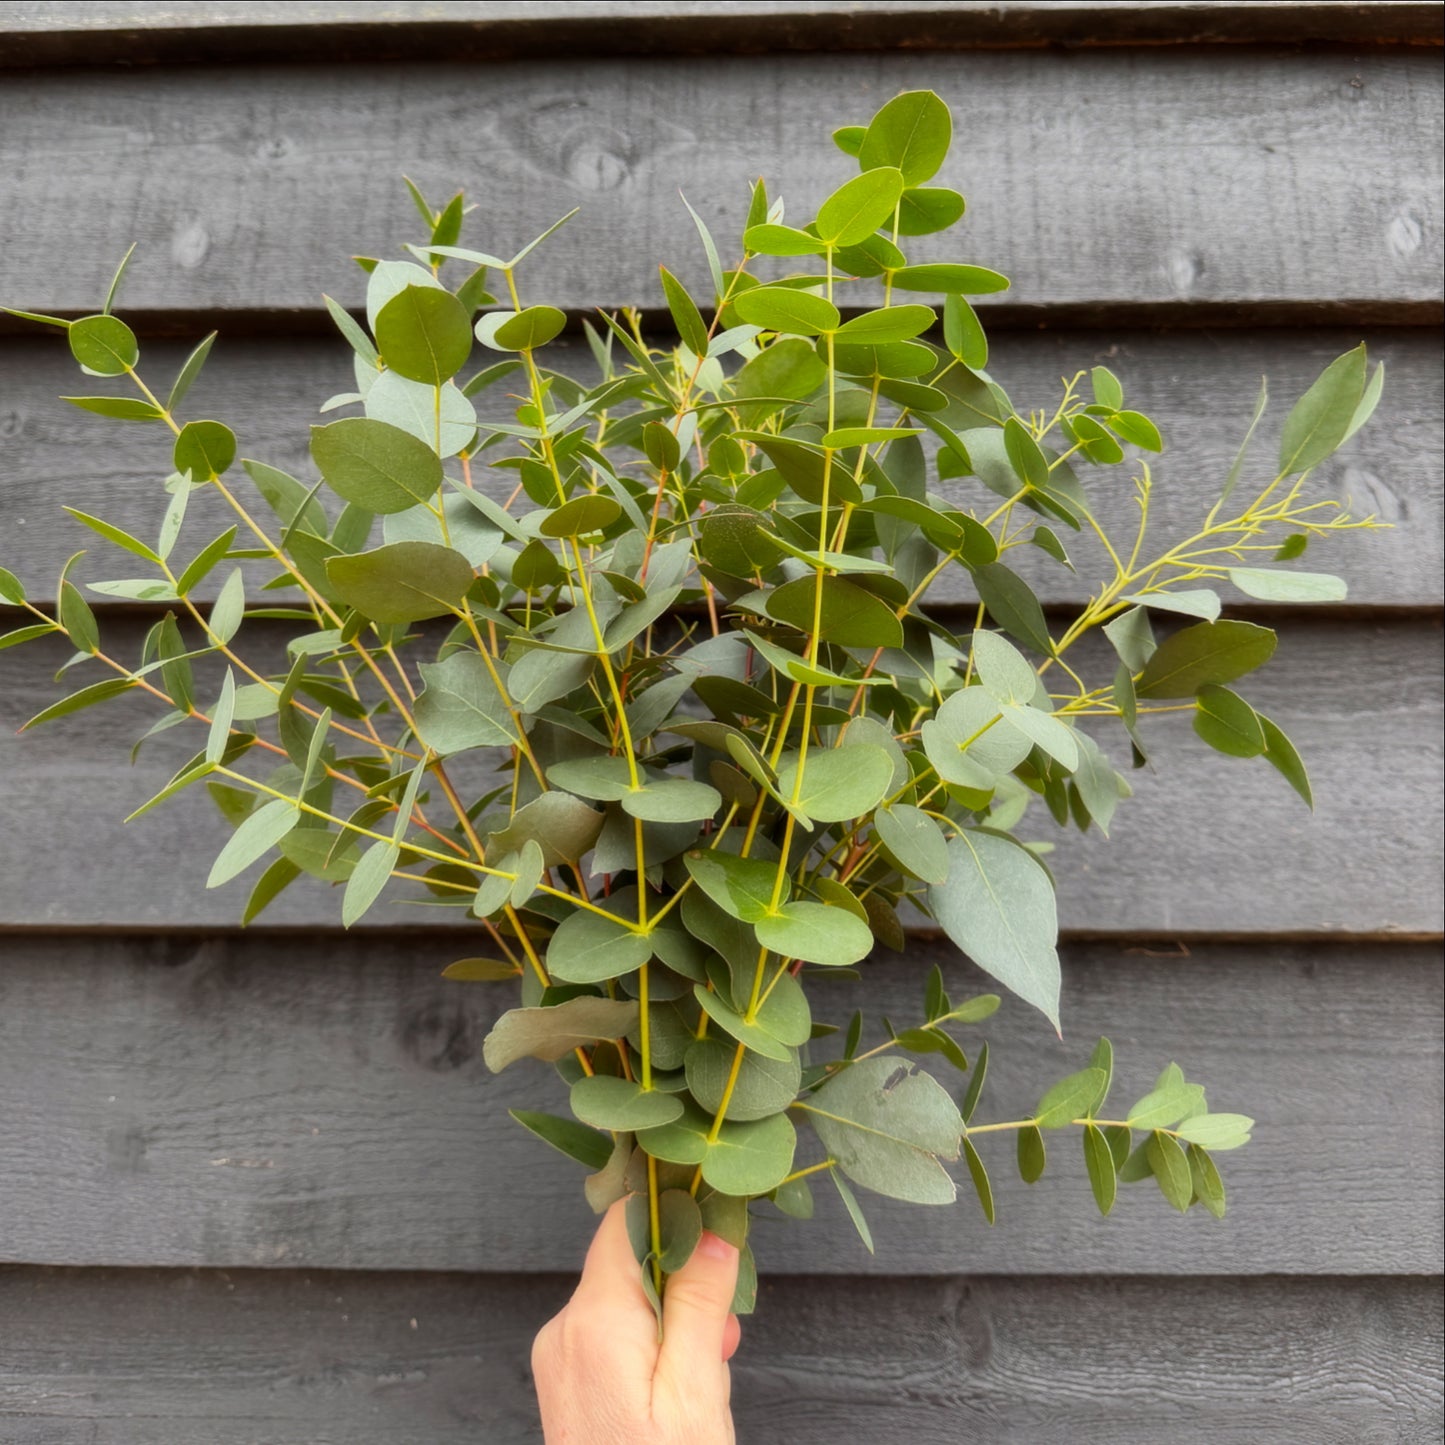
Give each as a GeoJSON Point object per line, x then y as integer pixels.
{"type": "Point", "coordinates": [647, 676]}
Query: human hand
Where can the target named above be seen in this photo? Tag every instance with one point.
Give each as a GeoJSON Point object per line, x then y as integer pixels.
{"type": "Point", "coordinates": [603, 1377]}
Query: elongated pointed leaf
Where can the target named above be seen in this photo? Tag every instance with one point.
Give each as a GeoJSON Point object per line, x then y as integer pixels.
{"type": "Point", "coordinates": [1099, 1161]}
{"type": "Point", "coordinates": [261, 831]}
{"type": "Point", "coordinates": [1321, 418]}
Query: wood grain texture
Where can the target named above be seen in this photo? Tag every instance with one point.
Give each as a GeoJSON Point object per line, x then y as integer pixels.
{"type": "Point", "coordinates": [1208, 844]}
{"type": "Point", "coordinates": [300, 1101]}
{"type": "Point", "coordinates": [1151, 178]}
{"type": "Point", "coordinates": [319, 1358]}
{"type": "Point", "coordinates": [1200, 387]}
{"type": "Point", "coordinates": [84, 32]}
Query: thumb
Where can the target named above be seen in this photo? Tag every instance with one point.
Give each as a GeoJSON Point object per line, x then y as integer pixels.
{"type": "Point", "coordinates": [696, 1307]}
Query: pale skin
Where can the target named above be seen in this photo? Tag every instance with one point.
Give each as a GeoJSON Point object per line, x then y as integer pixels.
{"type": "Point", "coordinates": [602, 1375]}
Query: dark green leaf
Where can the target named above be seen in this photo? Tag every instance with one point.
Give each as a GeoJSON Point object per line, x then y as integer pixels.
{"type": "Point", "coordinates": [111, 533]}
{"type": "Point", "coordinates": [87, 697]}
{"type": "Point", "coordinates": [960, 281]}
{"type": "Point", "coordinates": [1207, 1185]}
{"type": "Point", "coordinates": [781, 308]}
{"type": "Point", "coordinates": [576, 1141]}
{"type": "Point", "coordinates": [590, 512]}
{"type": "Point", "coordinates": [424, 334]}
{"type": "Point", "coordinates": [77, 619]}
{"type": "Point", "coordinates": [1207, 652]}
{"type": "Point", "coordinates": [204, 450]}
{"type": "Point", "coordinates": [979, 1175]}
{"type": "Point", "coordinates": [103, 344]}
{"type": "Point", "coordinates": [1012, 604]}
{"type": "Point", "coordinates": [481, 970]}
{"type": "Point", "coordinates": [1281, 753]}
{"type": "Point", "coordinates": [922, 210]}
{"type": "Point", "coordinates": [1132, 638]}
{"type": "Point", "coordinates": [912, 132]}
{"type": "Point", "coordinates": [963, 333]}
{"type": "Point", "coordinates": [975, 1084]}
{"type": "Point", "coordinates": [887, 324]}
{"type": "Point", "coordinates": [858, 207]}
{"type": "Point", "coordinates": [1321, 418]}
{"type": "Point", "coordinates": [1171, 1169]}
{"type": "Point", "coordinates": [376, 465]}
{"type": "Point", "coordinates": [293, 504]}
{"type": "Point", "coordinates": [685, 315]}
{"type": "Point", "coordinates": [521, 330]}
{"type": "Point", "coordinates": [1227, 723]}
{"type": "Point", "coordinates": [402, 582]}
{"type": "Point", "coordinates": [118, 408]}
{"type": "Point", "coordinates": [845, 614]}
{"type": "Point", "coordinates": [1031, 1154]}
{"type": "Point", "coordinates": [204, 561]}
{"type": "Point", "coordinates": [25, 634]}
{"type": "Point", "coordinates": [1099, 1161]}
{"type": "Point", "coordinates": [279, 874]}
{"type": "Point", "coordinates": [1135, 427]}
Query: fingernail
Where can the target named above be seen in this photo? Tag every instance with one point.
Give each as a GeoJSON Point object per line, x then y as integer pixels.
{"type": "Point", "coordinates": [713, 1247]}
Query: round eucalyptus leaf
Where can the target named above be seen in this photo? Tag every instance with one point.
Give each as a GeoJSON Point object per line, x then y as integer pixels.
{"type": "Point", "coordinates": [204, 450]}
{"type": "Point", "coordinates": [103, 344]}
{"type": "Point", "coordinates": [622, 1104]}
{"type": "Point", "coordinates": [424, 334]}
{"type": "Point", "coordinates": [763, 1087]}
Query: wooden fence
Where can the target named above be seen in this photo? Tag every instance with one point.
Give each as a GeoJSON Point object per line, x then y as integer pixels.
{"type": "Point", "coordinates": [258, 1187]}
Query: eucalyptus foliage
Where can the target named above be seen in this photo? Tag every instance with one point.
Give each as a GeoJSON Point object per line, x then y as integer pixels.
{"type": "Point", "coordinates": [641, 674]}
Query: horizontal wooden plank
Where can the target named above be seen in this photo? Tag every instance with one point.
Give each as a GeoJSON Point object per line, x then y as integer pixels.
{"type": "Point", "coordinates": [298, 1101]}
{"type": "Point", "coordinates": [318, 1358]}
{"type": "Point", "coordinates": [1200, 387]}
{"type": "Point", "coordinates": [102, 32]}
{"type": "Point", "coordinates": [1269, 177]}
{"type": "Point", "coordinates": [1208, 844]}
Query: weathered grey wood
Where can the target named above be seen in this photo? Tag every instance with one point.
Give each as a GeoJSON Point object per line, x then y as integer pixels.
{"type": "Point", "coordinates": [319, 1358]}
{"type": "Point", "coordinates": [88, 33]}
{"type": "Point", "coordinates": [1148, 178]}
{"type": "Point", "coordinates": [299, 1101]}
{"type": "Point", "coordinates": [1199, 386]}
{"type": "Point", "coordinates": [1208, 844]}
